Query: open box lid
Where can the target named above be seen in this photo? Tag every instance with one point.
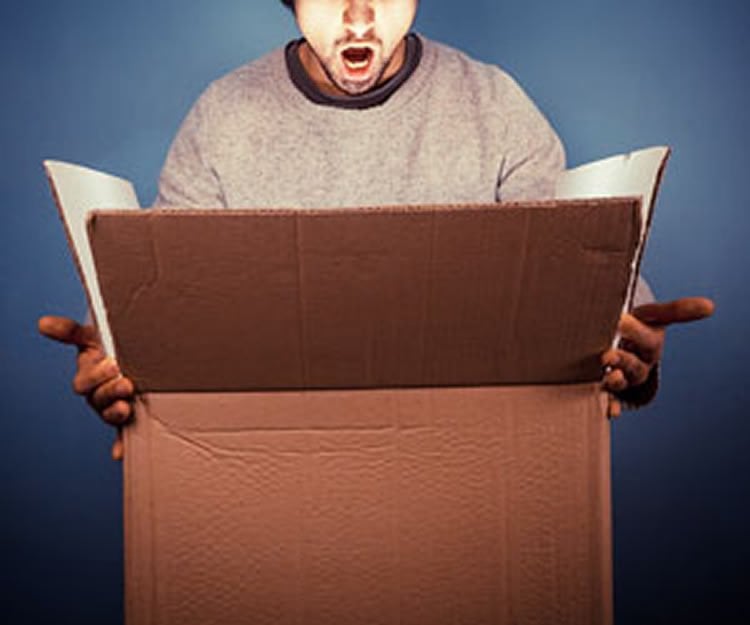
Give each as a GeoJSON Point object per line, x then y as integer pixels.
{"type": "Point", "coordinates": [235, 300]}
{"type": "Point", "coordinates": [225, 300]}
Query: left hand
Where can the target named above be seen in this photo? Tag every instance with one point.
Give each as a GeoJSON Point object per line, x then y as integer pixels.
{"type": "Point", "coordinates": [642, 342]}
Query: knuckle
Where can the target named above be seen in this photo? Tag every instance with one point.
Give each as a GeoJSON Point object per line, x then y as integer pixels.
{"type": "Point", "coordinates": [117, 413]}
{"type": "Point", "coordinates": [91, 378]}
{"type": "Point", "coordinates": [615, 380]}
{"type": "Point", "coordinates": [99, 399]}
{"type": "Point", "coordinates": [125, 388]}
{"type": "Point", "coordinates": [80, 384]}
{"type": "Point", "coordinates": [108, 393]}
{"type": "Point", "coordinates": [637, 372]}
{"type": "Point", "coordinates": [651, 349]}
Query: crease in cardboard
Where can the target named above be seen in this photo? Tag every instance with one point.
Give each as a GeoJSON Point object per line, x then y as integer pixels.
{"type": "Point", "coordinates": [195, 444]}
{"type": "Point", "coordinates": [336, 428]}
{"type": "Point", "coordinates": [301, 309]}
{"type": "Point", "coordinates": [429, 294]}
{"type": "Point", "coordinates": [515, 307]}
{"type": "Point", "coordinates": [322, 429]}
{"type": "Point", "coordinates": [210, 440]}
{"type": "Point", "coordinates": [369, 349]}
{"type": "Point", "coordinates": [156, 275]}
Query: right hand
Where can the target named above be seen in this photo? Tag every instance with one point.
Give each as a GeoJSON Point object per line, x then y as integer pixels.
{"type": "Point", "coordinates": [98, 378]}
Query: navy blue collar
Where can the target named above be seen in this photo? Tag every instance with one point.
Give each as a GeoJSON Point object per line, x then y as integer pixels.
{"type": "Point", "coordinates": [374, 97]}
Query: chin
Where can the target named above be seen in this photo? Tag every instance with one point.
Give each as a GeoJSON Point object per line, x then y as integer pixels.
{"type": "Point", "coordinates": [353, 85]}
{"type": "Point", "coordinates": [356, 88]}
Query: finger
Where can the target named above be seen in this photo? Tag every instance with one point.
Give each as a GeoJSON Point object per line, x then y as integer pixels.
{"type": "Point", "coordinates": [645, 341]}
{"type": "Point", "coordinates": [89, 357]}
{"type": "Point", "coordinates": [681, 310]}
{"type": "Point", "coordinates": [110, 391]}
{"type": "Point", "coordinates": [68, 331]}
{"type": "Point", "coordinates": [614, 407]}
{"type": "Point", "coordinates": [614, 381]}
{"type": "Point", "coordinates": [118, 449]}
{"type": "Point", "coordinates": [609, 358]}
{"type": "Point", "coordinates": [636, 371]}
{"type": "Point", "coordinates": [88, 378]}
{"type": "Point", "coordinates": [118, 413]}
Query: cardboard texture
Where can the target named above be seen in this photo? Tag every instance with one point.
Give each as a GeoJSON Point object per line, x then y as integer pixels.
{"type": "Point", "coordinates": [368, 503]}
{"type": "Point", "coordinates": [371, 415]}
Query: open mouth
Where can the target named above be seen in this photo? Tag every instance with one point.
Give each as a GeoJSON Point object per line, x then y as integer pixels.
{"type": "Point", "coordinates": [357, 58]}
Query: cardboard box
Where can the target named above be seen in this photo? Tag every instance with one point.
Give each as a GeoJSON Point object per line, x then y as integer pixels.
{"type": "Point", "coordinates": [366, 416]}
{"type": "Point", "coordinates": [380, 416]}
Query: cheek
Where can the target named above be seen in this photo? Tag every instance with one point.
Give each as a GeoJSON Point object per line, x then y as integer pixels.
{"type": "Point", "coordinates": [397, 18]}
{"type": "Point", "coordinates": [318, 22]}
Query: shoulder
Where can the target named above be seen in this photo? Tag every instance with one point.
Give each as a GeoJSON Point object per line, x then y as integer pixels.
{"type": "Point", "coordinates": [526, 145]}
{"type": "Point", "coordinates": [252, 86]}
{"type": "Point", "coordinates": [485, 90]}
{"type": "Point", "coordinates": [479, 81]}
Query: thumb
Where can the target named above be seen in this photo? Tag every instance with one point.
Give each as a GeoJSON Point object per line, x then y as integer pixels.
{"type": "Point", "coordinates": [68, 331]}
{"type": "Point", "coordinates": [614, 407]}
{"type": "Point", "coordinates": [118, 449]}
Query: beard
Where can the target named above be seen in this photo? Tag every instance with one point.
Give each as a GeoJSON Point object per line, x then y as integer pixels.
{"type": "Point", "coordinates": [356, 67]}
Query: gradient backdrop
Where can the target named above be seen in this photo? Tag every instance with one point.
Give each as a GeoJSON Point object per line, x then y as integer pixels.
{"type": "Point", "coordinates": [106, 84]}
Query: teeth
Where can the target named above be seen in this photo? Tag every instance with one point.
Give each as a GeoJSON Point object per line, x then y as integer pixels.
{"type": "Point", "coordinates": [357, 64]}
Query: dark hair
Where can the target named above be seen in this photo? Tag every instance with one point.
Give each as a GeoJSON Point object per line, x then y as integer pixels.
{"type": "Point", "coordinates": [289, 4]}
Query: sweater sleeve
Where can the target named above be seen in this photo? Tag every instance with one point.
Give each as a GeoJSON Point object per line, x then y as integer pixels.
{"type": "Point", "coordinates": [534, 156]}
{"type": "Point", "coordinates": [187, 179]}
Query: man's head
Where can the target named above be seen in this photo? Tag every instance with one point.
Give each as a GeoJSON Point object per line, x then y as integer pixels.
{"type": "Point", "coordinates": [352, 45]}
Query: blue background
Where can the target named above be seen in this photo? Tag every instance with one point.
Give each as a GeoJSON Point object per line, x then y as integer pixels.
{"type": "Point", "coordinates": [106, 84]}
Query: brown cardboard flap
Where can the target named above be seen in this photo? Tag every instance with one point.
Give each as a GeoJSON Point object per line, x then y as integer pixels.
{"type": "Point", "coordinates": [525, 293]}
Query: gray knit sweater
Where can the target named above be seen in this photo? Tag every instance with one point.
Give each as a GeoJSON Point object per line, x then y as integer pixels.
{"type": "Point", "coordinates": [456, 131]}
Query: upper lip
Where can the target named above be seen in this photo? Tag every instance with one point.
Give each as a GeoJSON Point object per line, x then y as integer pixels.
{"type": "Point", "coordinates": [357, 46]}
{"type": "Point", "coordinates": [357, 43]}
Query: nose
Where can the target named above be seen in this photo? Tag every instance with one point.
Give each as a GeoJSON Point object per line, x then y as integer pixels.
{"type": "Point", "coordinates": [359, 17]}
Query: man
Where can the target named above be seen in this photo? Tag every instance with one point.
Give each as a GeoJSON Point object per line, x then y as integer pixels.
{"type": "Point", "coordinates": [361, 112]}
